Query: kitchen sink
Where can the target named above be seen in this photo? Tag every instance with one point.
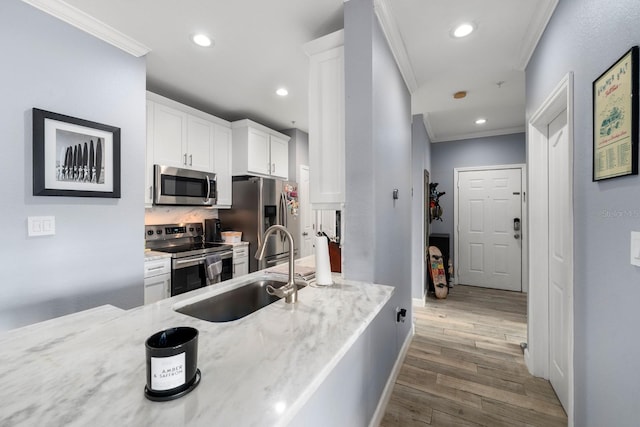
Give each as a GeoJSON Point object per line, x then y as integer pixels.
{"type": "Point", "coordinates": [236, 303]}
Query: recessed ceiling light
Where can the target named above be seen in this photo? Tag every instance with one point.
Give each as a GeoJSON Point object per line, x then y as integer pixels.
{"type": "Point", "coordinates": [282, 92]}
{"type": "Point", "coordinates": [201, 40]}
{"type": "Point", "coordinates": [481, 121]}
{"type": "Point", "coordinates": [463, 30]}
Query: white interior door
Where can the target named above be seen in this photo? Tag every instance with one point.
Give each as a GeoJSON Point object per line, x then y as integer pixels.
{"type": "Point", "coordinates": [559, 255]}
{"type": "Point", "coordinates": [306, 214]}
{"type": "Point", "coordinates": [490, 228]}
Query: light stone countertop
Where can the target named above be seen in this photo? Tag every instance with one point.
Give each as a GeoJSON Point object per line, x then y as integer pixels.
{"type": "Point", "coordinates": [89, 368]}
{"type": "Point", "coordinates": [155, 255]}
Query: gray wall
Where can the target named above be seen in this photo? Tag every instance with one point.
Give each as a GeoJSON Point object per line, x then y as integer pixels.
{"type": "Point", "coordinates": [96, 256]}
{"type": "Point", "coordinates": [298, 152]}
{"type": "Point", "coordinates": [489, 151]}
{"type": "Point", "coordinates": [587, 37]}
{"type": "Point", "coordinates": [420, 160]}
{"type": "Point", "coordinates": [377, 241]}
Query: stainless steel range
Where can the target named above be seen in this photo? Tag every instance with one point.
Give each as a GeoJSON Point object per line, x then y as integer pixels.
{"type": "Point", "coordinates": [188, 248]}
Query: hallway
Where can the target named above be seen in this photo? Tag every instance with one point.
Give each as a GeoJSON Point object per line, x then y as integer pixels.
{"type": "Point", "coordinates": [465, 366]}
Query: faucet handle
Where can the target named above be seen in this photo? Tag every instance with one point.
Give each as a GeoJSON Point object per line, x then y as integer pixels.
{"type": "Point", "coordinates": [275, 291]}
{"type": "Point", "coordinates": [289, 292]}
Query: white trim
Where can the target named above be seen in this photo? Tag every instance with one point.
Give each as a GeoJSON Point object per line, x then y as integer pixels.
{"type": "Point", "coordinates": [524, 280]}
{"type": "Point", "coordinates": [418, 302]}
{"type": "Point", "coordinates": [391, 382]}
{"type": "Point", "coordinates": [533, 34]}
{"type": "Point", "coordinates": [473, 135]}
{"type": "Point", "coordinates": [537, 353]}
{"type": "Point", "coordinates": [154, 97]}
{"type": "Point", "coordinates": [391, 32]}
{"type": "Point", "coordinates": [87, 23]}
{"type": "Point", "coordinates": [427, 126]}
{"type": "Point", "coordinates": [324, 43]}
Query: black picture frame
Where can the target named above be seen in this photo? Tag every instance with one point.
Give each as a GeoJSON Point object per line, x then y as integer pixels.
{"type": "Point", "coordinates": [74, 157]}
{"type": "Point", "coordinates": [615, 119]}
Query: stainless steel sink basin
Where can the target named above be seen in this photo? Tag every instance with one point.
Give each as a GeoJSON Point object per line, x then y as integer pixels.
{"type": "Point", "coordinates": [234, 304]}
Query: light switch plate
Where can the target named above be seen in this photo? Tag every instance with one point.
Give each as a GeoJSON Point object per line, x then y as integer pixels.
{"type": "Point", "coordinates": [41, 225]}
{"type": "Point", "coordinates": [635, 248]}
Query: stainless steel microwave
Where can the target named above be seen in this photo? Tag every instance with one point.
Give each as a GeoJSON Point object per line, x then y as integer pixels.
{"type": "Point", "coordinates": [176, 186]}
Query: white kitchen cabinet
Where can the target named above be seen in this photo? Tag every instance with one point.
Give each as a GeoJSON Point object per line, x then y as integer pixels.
{"type": "Point", "coordinates": [326, 121]}
{"type": "Point", "coordinates": [279, 154]}
{"type": "Point", "coordinates": [169, 136]}
{"type": "Point", "coordinates": [258, 150]}
{"type": "Point", "coordinates": [183, 137]}
{"type": "Point", "coordinates": [199, 149]}
{"type": "Point", "coordinates": [222, 164]}
{"type": "Point", "coordinates": [181, 140]}
{"type": "Point", "coordinates": [157, 280]}
{"type": "Point", "coordinates": [240, 259]}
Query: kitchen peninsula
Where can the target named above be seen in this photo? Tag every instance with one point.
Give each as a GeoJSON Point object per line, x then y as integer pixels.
{"type": "Point", "coordinates": [270, 368]}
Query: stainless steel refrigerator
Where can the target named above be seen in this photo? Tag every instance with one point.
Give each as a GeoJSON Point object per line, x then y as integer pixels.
{"type": "Point", "coordinates": [257, 204]}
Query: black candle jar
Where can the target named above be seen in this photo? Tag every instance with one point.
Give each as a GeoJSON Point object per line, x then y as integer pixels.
{"type": "Point", "coordinates": [172, 363]}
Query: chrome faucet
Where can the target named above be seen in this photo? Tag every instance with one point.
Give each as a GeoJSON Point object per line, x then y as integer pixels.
{"type": "Point", "coordinates": [289, 291]}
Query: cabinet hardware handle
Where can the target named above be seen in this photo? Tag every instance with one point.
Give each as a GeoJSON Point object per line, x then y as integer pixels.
{"type": "Point", "coordinates": [155, 268]}
{"type": "Point", "coordinates": [190, 159]}
{"type": "Point", "coordinates": [151, 192]}
{"type": "Point", "coordinates": [274, 168]}
{"type": "Point", "coordinates": [185, 159]}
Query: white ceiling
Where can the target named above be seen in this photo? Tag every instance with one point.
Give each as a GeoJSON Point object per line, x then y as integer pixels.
{"type": "Point", "coordinates": [259, 47]}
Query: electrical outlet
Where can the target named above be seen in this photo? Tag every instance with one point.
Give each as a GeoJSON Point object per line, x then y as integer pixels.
{"type": "Point", "coordinates": [635, 248]}
{"type": "Point", "coordinates": [41, 226]}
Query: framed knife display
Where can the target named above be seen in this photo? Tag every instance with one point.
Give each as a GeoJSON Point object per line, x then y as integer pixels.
{"type": "Point", "coordinates": [74, 157]}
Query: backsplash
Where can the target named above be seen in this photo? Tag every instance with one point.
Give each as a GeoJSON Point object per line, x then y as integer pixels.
{"type": "Point", "coordinates": [177, 214]}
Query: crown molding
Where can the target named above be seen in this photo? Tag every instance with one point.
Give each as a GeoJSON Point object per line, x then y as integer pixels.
{"type": "Point", "coordinates": [330, 41]}
{"type": "Point", "coordinates": [87, 23]}
{"type": "Point", "coordinates": [473, 135]}
{"type": "Point", "coordinates": [394, 38]}
{"type": "Point", "coordinates": [536, 28]}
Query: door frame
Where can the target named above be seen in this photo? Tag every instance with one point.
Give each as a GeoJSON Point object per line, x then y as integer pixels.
{"type": "Point", "coordinates": [524, 280]}
{"type": "Point", "coordinates": [537, 352]}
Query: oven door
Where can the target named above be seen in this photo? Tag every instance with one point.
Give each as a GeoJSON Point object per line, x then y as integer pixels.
{"type": "Point", "coordinates": [175, 186]}
{"type": "Point", "coordinates": [188, 274]}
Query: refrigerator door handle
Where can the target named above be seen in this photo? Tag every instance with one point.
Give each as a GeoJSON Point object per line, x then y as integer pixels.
{"type": "Point", "coordinates": [283, 215]}
{"type": "Point", "coordinates": [260, 214]}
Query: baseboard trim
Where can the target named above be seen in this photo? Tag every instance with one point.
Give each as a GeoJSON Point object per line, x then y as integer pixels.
{"type": "Point", "coordinates": [388, 388]}
{"type": "Point", "coordinates": [418, 302]}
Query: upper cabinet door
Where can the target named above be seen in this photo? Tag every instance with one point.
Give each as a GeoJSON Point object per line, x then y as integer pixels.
{"type": "Point", "coordinates": [258, 157]}
{"type": "Point", "coordinates": [169, 136]}
{"type": "Point", "coordinates": [279, 154]}
{"type": "Point", "coordinates": [199, 144]}
{"type": "Point", "coordinates": [326, 122]}
{"type": "Point", "coordinates": [222, 164]}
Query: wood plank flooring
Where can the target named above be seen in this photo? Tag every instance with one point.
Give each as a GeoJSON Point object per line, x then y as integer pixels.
{"type": "Point", "coordinates": [465, 366]}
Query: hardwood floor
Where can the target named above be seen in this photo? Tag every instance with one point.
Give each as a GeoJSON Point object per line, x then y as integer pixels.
{"type": "Point", "coordinates": [465, 366]}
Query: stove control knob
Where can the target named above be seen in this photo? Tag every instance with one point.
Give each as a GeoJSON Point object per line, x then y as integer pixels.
{"type": "Point", "coordinates": [198, 229]}
{"type": "Point", "coordinates": [159, 231]}
{"type": "Point", "coordinates": [191, 229]}
{"type": "Point", "coordinates": [149, 232]}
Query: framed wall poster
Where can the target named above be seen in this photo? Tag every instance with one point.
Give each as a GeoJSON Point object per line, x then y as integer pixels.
{"type": "Point", "coordinates": [74, 157]}
{"type": "Point", "coordinates": [615, 119]}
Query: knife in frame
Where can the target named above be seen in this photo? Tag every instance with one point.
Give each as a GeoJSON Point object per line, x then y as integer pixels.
{"type": "Point", "coordinates": [92, 164]}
